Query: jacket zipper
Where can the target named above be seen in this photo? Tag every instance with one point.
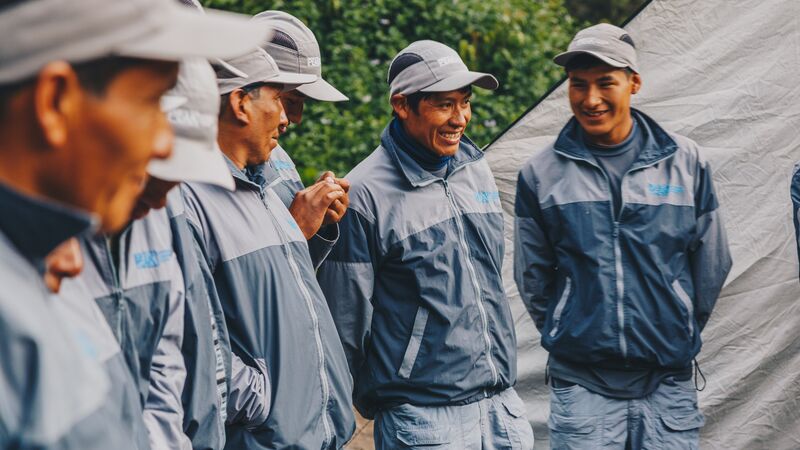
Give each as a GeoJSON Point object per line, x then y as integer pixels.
{"type": "Point", "coordinates": [560, 306]}
{"type": "Point", "coordinates": [618, 269]}
{"type": "Point", "coordinates": [314, 320]}
{"type": "Point", "coordinates": [474, 278]}
{"type": "Point", "coordinates": [117, 292]}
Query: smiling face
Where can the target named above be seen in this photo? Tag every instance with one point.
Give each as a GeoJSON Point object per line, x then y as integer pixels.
{"type": "Point", "coordinates": [439, 120]}
{"type": "Point", "coordinates": [600, 97]}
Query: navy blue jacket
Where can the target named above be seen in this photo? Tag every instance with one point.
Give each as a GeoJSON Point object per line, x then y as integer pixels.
{"type": "Point", "coordinates": [795, 192]}
{"type": "Point", "coordinates": [630, 290]}
{"type": "Point", "coordinates": [414, 282]}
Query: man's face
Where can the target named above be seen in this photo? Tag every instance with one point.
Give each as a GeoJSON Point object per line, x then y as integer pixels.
{"type": "Point", "coordinates": [293, 103]}
{"type": "Point", "coordinates": [112, 139]}
{"type": "Point", "coordinates": [154, 196]}
{"type": "Point", "coordinates": [440, 121]}
{"type": "Point", "coordinates": [66, 261]}
{"type": "Point", "coordinates": [267, 118]}
{"type": "Point", "coordinates": [600, 98]}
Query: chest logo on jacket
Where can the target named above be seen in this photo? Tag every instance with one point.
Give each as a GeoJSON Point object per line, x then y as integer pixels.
{"type": "Point", "coordinates": [663, 190]}
{"type": "Point", "coordinates": [487, 197]}
{"type": "Point", "coordinates": [151, 258]}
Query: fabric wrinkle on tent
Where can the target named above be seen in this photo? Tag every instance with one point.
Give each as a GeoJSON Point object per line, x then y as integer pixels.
{"type": "Point", "coordinates": [725, 73]}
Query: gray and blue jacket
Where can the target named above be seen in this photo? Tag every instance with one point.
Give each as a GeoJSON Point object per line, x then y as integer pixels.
{"type": "Point", "coordinates": [633, 289]}
{"type": "Point", "coordinates": [414, 283]}
{"type": "Point", "coordinates": [142, 298]}
{"type": "Point", "coordinates": [795, 192]}
{"type": "Point", "coordinates": [53, 391]}
{"type": "Point", "coordinates": [277, 318]}
{"type": "Point", "coordinates": [280, 175]}
{"type": "Point", "coordinates": [206, 348]}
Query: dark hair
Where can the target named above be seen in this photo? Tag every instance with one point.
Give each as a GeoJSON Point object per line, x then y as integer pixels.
{"type": "Point", "coordinates": [585, 61]}
{"type": "Point", "coordinates": [94, 76]}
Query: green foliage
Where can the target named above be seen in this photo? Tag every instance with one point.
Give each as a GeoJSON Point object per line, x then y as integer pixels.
{"type": "Point", "coordinates": [513, 39]}
{"type": "Point", "coordinates": [595, 11]}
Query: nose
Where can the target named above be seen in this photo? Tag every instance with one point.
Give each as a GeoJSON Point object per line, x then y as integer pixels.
{"type": "Point", "coordinates": [461, 115]}
{"type": "Point", "coordinates": [163, 140]}
{"type": "Point", "coordinates": [592, 99]}
{"type": "Point", "coordinates": [284, 119]}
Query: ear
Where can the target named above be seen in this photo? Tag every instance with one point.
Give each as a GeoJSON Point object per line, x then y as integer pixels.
{"type": "Point", "coordinates": [400, 106]}
{"type": "Point", "coordinates": [56, 95]}
{"type": "Point", "coordinates": [636, 83]}
{"type": "Point", "coordinates": [241, 106]}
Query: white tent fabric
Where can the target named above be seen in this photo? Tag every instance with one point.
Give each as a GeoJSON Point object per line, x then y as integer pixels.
{"type": "Point", "coordinates": [725, 73]}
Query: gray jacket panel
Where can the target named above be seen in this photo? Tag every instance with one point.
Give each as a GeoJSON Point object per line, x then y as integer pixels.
{"type": "Point", "coordinates": [52, 388]}
{"type": "Point", "coordinates": [143, 302]}
{"type": "Point", "coordinates": [414, 282]}
{"type": "Point", "coordinates": [206, 347]}
{"type": "Point", "coordinates": [280, 175]}
{"type": "Point", "coordinates": [275, 313]}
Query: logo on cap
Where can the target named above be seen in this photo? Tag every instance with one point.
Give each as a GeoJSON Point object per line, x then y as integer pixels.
{"type": "Point", "coordinates": [314, 61]}
{"type": "Point", "coordinates": [445, 60]}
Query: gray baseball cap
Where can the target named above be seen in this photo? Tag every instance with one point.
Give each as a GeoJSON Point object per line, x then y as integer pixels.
{"type": "Point", "coordinates": [295, 49]}
{"type": "Point", "coordinates": [195, 154]}
{"type": "Point", "coordinates": [36, 32]}
{"type": "Point", "coordinates": [257, 66]}
{"type": "Point", "coordinates": [608, 43]}
{"type": "Point", "coordinates": [430, 66]}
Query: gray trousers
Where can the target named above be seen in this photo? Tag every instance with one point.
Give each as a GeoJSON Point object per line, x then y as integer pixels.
{"type": "Point", "coordinates": [667, 419]}
{"type": "Point", "coordinates": [497, 422]}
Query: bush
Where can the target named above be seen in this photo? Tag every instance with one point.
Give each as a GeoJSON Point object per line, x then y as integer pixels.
{"type": "Point", "coordinates": [515, 40]}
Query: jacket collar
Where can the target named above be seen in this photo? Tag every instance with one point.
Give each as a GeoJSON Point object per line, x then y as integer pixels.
{"type": "Point", "coordinates": [467, 153]}
{"type": "Point", "coordinates": [657, 143]}
{"type": "Point", "coordinates": [36, 226]}
{"type": "Point", "coordinates": [240, 176]}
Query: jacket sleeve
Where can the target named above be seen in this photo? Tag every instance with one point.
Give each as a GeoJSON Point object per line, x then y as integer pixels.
{"type": "Point", "coordinates": [795, 192]}
{"type": "Point", "coordinates": [321, 244]}
{"type": "Point", "coordinates": [249, 390]}
{"type": "Point", "coordinates": [534, 257]}
{"type": "Point", "coordinates": [250, 395]}
{"type": "Point", "coordinates": [709, 256]}
{"type": "Point", "coordinates": [163, 409]}
{"type": "Point", "coordinates": [347, 279]}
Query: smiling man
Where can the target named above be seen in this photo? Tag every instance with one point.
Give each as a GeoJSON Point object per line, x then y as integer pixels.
{"type": "Point", "coordinates": [620, 255]}
{"type": "Point", "coordinates": [414, 281]}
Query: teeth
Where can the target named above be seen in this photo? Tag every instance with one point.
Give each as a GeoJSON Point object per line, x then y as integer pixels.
{"type": "Point", "coordinates": [451, 136]}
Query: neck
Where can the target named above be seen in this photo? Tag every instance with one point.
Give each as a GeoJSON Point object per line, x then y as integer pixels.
{"type": "Point", "coordinates": [233, 146]}
{"type": "Point", "coordinates": [426, 158]}
{"type": "Point", "coordinates": [21, 171]}
{"type": "Point", "coordinates": [615, 136]}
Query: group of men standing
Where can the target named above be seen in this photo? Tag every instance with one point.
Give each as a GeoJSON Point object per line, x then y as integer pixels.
{"type": "Point", "coordinates": [168, 282]}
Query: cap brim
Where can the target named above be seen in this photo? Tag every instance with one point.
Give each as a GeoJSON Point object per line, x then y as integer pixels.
{"type": "Point", "coordinates": [460, 80]}
{"type": "Point", "coordinates": [215, 34]}
{"type": "Point", "coordinates": [323, 91]}
{"type": "Point", "coordinates": [193, 161]}
{"type": "Point", "coordinates": [562, 59]}
{"type": "Point", "coordinates": [291, 81]}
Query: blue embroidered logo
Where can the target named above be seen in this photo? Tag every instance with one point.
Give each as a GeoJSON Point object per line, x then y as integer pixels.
{"type": "Point", "coordinates": [663, 190]}
{"type": "Point", "coordinates": [487, 196]}
{"type": "Point", "coordinates": [282, 165]}
{"type": "Point", "coordinates": [293, 224]}
{"type": "Point", "coordinates": [151, 258]}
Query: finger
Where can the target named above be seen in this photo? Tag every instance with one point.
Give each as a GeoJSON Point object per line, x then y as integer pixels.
{"type": "Point", "coordinates": [325, 176]}
{"type": "Point", "coordinates": [344, 183]}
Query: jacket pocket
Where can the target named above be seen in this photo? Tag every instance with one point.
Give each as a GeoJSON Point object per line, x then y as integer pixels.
{"type": "Point", "coordinates": [414, 342]}
{"type": "Point", "coordinates": [687, 422]}
{"type": "Point", "coordinates": [571, 425]}
{"type": "Point", "coordinates": [560, 306]}
{"type": "Point", "coordinates": [687, 302]}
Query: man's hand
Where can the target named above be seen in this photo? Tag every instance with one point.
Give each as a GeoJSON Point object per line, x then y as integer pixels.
{"type": "Point", "coordinates": [339, 206]}
{"type": "Point", "coordinates": [310, 206]}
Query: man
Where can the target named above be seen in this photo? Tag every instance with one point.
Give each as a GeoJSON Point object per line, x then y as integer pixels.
{"type": "Point", "coordinates": [795, 192]}
{"type": "Point", "coordinates": [414, 282]}
{"type": "Point", "coordinates": [620, 255]}
{"type": "Point", "coordinates": [276, 315]}
{"type": "Point", "coordinates": [137, 279]}
{"type": "Point", "coordinates": [78, 127]}
{"type": "Point", "coordinates": [294, 48]}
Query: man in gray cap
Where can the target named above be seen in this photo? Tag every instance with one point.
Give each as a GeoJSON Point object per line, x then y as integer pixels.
{"type": "Point", "coordinates": [294, 48]}
{"type": "Point", "coordinates": [277, 318]}
{"type": "Point", "coordinates": [80, 119]}
{"type": "Point", "coordinates": [414, 281]}
{"type": "Point", "coordinates": [620, 255]}
{"type": "Point", "coordinates": [150, 289]}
